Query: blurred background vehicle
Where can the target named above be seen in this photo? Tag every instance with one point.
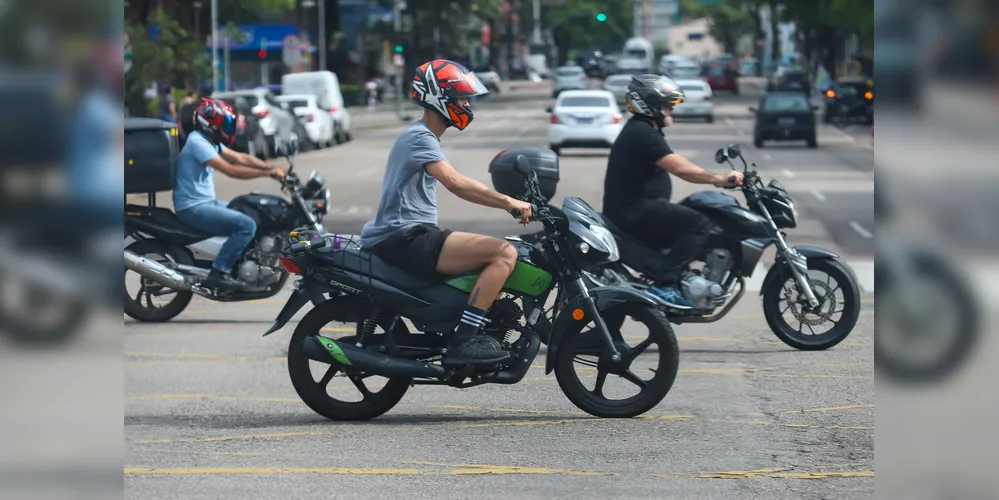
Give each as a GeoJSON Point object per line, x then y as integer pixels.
{"type": "Point", "coordinates": [326, 87]}
{"type": "Point", "coordinates": [569, 78]}
{"type": "Point", "coordinates": [590, 60]}
{"type": "Point", "coordinates": [850, 99]}
{"type": "Point", "coordinates": [697, 100]}
{"type": "Point", "coordinates": [277, 124]}
{"type": "Point", "coordinates": [784, 116]}
{"type": "Point", "coordinates": [618, 85]}
{"type": "Point", "coordinates": [584, 119]}
{"type": "Point", "coordinates": [685, 69]}
{"type": "Point", "coordinates": [721, 75]}
{"type": "Point", "coordinates": [319, 124]}
{"type": "Point", "coordinates": [789, 78]}
{"type": "Point", "coordinates": [490, 77]}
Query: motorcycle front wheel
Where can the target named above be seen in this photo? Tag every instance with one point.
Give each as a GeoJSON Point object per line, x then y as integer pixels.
{"type": "Point", "coordinates": [794, 323]}
{"type": "Point", "coordinates": [932, 342]}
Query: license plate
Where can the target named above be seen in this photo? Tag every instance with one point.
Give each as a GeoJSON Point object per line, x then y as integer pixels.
{"type": "Point", "coordinates": [584, 121]}
{"type": "Point", "coordinates": [785, 121]}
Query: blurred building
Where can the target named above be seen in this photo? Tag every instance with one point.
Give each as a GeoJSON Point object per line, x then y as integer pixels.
{"type": "Point", "coordinates": [653, 20]}
{"type": "Point", "coordinates": [693, 38]}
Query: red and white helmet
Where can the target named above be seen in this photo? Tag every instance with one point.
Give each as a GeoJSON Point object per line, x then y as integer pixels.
{"type": "Point", "coordinates": [217, 120]}
{"type": "Point", "coordinates": [437, 86]}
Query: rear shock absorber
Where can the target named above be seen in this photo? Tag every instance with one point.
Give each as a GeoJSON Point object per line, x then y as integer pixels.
{"type": "Point", "coordinates": [367, 327]}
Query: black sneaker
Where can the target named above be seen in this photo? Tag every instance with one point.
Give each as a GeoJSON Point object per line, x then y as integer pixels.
{"type": "Point", "coordinates": [475, 350]}
{"type": "Point", "coordinates": [216, 279]}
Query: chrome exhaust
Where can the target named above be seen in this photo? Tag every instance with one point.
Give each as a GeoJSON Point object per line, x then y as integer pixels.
{"type": "Point", "coordinates": [161, 274]}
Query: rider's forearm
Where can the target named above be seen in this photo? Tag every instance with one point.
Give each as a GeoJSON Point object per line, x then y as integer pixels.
{"type": "Point", "coordinates": [688, 171]}
{"type": "Point", "coordinates": [244, 172]}
{"type": "Point", "coordinates": [478, 193]}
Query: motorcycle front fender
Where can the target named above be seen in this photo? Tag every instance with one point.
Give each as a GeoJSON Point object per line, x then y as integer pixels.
{"type": "Point", "coordinates": [780, 271]}
{"type": "Point", "coordinates": [301, 296]}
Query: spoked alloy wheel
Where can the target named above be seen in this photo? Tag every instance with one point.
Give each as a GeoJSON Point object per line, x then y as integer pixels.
{"type": "Point", "coordinates": [796, 324]}
{"type": "Point", "coordinates": [354, 396]}
{"type": "Point", "coordinates": [580, 358]}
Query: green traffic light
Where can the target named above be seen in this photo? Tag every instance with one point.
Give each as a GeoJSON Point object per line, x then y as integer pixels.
{"type": "Point", "coordinates": [601, 17]}
{"type": "Point", "coordinates": [398, 48]}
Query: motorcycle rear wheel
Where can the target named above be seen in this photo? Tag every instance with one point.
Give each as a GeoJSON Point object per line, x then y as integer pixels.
{"type": "Point", "coordinates": [315, 394]}
{"type": "Point", "coordinates": [154, 314]}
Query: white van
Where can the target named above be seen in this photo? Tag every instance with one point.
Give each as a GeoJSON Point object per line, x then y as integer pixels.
{"type": "Point", "coordinates": [326, 87]}
{"type": "Point", "coordinates": [639, 49]}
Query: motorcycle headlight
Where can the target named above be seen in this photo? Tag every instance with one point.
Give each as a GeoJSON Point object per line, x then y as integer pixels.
{"type": "Point", "coordinates": [605, 237]}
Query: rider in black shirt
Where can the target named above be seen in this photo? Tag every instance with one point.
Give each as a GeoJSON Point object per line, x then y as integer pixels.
{"type": "Point", "coordinates": [637, 187]}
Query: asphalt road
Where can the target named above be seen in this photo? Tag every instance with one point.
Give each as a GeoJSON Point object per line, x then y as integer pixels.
{"type": "Point", "coordinates": [210, 411]}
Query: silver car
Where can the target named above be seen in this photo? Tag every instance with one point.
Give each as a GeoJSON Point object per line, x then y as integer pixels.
{"type": "Point", "coordinates": [569, 78]}
{"type": "Point", "coordinates": [617, 85]}
{"type": "Point", "coordinates": [277, 124]}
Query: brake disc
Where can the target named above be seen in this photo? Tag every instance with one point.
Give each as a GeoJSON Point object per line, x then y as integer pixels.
{"type": "Point", "coordinates": [827, 304]}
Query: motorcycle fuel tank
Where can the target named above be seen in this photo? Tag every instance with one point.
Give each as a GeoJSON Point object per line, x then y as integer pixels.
{"type": "Point", "coordinates": [527, 277]}
{"type": "Point", "coordinates": [271, 213]}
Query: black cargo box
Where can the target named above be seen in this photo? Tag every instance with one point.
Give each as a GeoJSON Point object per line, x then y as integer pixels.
{"type": "Point", "coordinates": [505, 179]}
{"type": "Point", "coordinates": [151, 151]}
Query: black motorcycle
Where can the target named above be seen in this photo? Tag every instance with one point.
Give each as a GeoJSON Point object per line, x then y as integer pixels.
{"type": "Point", "coordinates": [733, 249]}
{"type": "Point", "coordinates": [375, 295]}
{"type": "Point", "coordinates": [186, 254]}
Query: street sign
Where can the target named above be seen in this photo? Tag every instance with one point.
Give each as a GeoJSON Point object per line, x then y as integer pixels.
{"type": "Point", "coordinates": [291, 52]}
{"type": "Point", "coordinates": [128, 52]}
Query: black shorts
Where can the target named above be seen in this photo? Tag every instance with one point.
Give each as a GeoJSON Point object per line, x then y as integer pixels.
{"type": "Point", "coordinates": [415, 250]}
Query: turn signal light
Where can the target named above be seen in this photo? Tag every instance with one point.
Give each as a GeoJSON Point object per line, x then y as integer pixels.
{"type": "Point", "coordinates": [554, 119]}
{"type": "Point", "coordinates": [869, 95]}
{"type": "Point", "coordinates": [830, 93]}
{"type": "Point", "coordinates": [617, 118]}
{"type": "Point", "coordinates": [289, 265]}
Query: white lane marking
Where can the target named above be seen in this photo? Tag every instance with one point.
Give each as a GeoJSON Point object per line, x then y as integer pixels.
{"type": "Point", "coordinates": [861, 230]}
{"type": "Point", "coordinates": [352, 210]}
{"type": "Point", "coordinates": [785, 172]}
{"type": "Point", "coordinates": [729, 123]}
{"type": "Point", "coordinates": [819, 196]}
{"type": "Point", "coordinates": [767, 157]}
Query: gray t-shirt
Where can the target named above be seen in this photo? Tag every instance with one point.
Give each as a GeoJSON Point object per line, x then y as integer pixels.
{"type": "Point", "coordinates": [409, 192]}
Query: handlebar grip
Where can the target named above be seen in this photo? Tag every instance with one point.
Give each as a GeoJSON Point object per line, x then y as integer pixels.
{"type": "Point", "coordinates": [309, 245]}
{"type": "Point", "coordinates": [516, 213]}
{"type": "Point", "coordinates": [299, 247]}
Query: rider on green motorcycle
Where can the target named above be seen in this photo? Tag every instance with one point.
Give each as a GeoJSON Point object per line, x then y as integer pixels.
{"type": "Point", "coordinates": [404, 231]}
{"type": "Point", "coordinates": [637, 186]}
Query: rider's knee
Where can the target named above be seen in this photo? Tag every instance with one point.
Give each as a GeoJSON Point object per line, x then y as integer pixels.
{"type": "Point", "coordinates": [506, 254]}
{"type": "Point", "coordinates": [247, 225]}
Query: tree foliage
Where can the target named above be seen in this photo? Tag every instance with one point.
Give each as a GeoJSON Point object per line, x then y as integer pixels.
{"type": "Point", "coordinates": [729, 20]}
{"type": "Point", "coordinates": [174, 57]}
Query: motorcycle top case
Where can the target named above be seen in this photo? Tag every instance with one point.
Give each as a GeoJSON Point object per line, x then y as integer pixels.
{"type": "Point", "coordinates": [507, 181]}
{"type": "Point", "coordinates": [151, 152]}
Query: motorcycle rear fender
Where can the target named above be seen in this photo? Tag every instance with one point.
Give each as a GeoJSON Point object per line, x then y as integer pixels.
{"type": "Point", "coordinates": [606, 297]}
{"type": "Point", "coordinates": [808, 252]}
{"type": "Point", "coordinates": [310, 291]}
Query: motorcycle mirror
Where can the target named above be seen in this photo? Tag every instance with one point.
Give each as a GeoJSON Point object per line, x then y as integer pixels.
{"type": "Point", "coordinates": [522, 167]}
{"type": "Point", "coordinates": [721, 156]}
{"type": "Point", "coordinates": [734, 151]}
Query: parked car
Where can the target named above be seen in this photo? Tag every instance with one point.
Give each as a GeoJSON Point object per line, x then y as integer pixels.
{"type": "Point", "coordinates": [789, 78]}
{"type": "Point", "coordinates": [722, 76]}
{"type": "Point", "coordinates": [277, 124]}
{"type": "Point", "coordinates": [849, 99]}
{"type": "Point", "coordinates": [618, 85]}
{"type": "Point", "coordinates": [250, 137]}
{"type": "Point", "coordinates": [784, 116]}
{"type": "Point", "coordinates": [569, 78]}
{"type": "Point", "coordinates": [319, 124]}
{"type": "Point", "coordinates": [326, 86]}
{"type": "Point", "coordinates": [584, 119]}
{"type": "Point", "coordinates": [697, 102]}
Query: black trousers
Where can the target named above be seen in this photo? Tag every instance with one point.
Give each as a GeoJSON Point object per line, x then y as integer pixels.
{"type": "Point", "coordinates": [661, 224]}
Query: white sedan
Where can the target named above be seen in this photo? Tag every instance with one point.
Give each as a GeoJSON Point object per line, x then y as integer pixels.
{"type": "Point", "coordinates": [584, 119]}
{"type": "Point", "coordinates": [318, 124]}
{"type": "Point", "coordinates": [697, 102]}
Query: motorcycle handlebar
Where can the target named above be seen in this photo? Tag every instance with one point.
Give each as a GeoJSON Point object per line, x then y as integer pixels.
{"type": "Point", "coordinates": [516, 213]}
{"type": "Point", "coordinates": [308, 245]}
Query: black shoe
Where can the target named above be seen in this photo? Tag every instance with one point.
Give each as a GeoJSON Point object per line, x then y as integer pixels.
{"type": "Point", "coordinates": [475, 350]}
{"type": "Point", "coordinates": [216, 279]}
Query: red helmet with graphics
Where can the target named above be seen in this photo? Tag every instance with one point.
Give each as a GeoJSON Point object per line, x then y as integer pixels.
{"type": "Point", "coordinates": [439, 84]}
{"type": "Point", "coordinates": [217, 120]}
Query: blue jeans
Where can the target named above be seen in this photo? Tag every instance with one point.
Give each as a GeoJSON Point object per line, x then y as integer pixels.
{"type": "Point", "coordinates": [217, 220]}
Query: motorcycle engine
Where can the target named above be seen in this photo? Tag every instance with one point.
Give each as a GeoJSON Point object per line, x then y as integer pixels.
{"type": "Point", "coordinates": [259, 268]}
{"type": "Point", "coordinates": [503, 319]}
{"type": "Point", "coordinates": [703, 290]}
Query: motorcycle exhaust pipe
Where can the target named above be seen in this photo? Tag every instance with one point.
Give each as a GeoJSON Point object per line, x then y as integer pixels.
{"type": "Point", "coordinates": [332, 351]}
{"type": "Point", "coordinates": [158, 273]}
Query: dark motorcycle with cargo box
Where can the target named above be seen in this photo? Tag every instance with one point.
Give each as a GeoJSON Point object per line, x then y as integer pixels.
{"type": "Point", "coordinates": [375, 295]}
{"type": "Point", "coordinates": [173, 258]}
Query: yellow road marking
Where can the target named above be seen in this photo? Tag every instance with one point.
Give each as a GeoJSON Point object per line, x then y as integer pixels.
{"type": "Point", "coordinates": [831, 408]}
{"type": "Point", "coordinates": [466, 469]}
{"type": "Point", "coordinates": [851, 377]}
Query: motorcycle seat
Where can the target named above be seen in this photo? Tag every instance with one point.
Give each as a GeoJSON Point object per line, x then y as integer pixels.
{"type": "Point", "coordinates": [366, 263]}
{"type": "Point", "coordinates": [627, 239]}
{"type": "Point", "coordinates": [162, 223]}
